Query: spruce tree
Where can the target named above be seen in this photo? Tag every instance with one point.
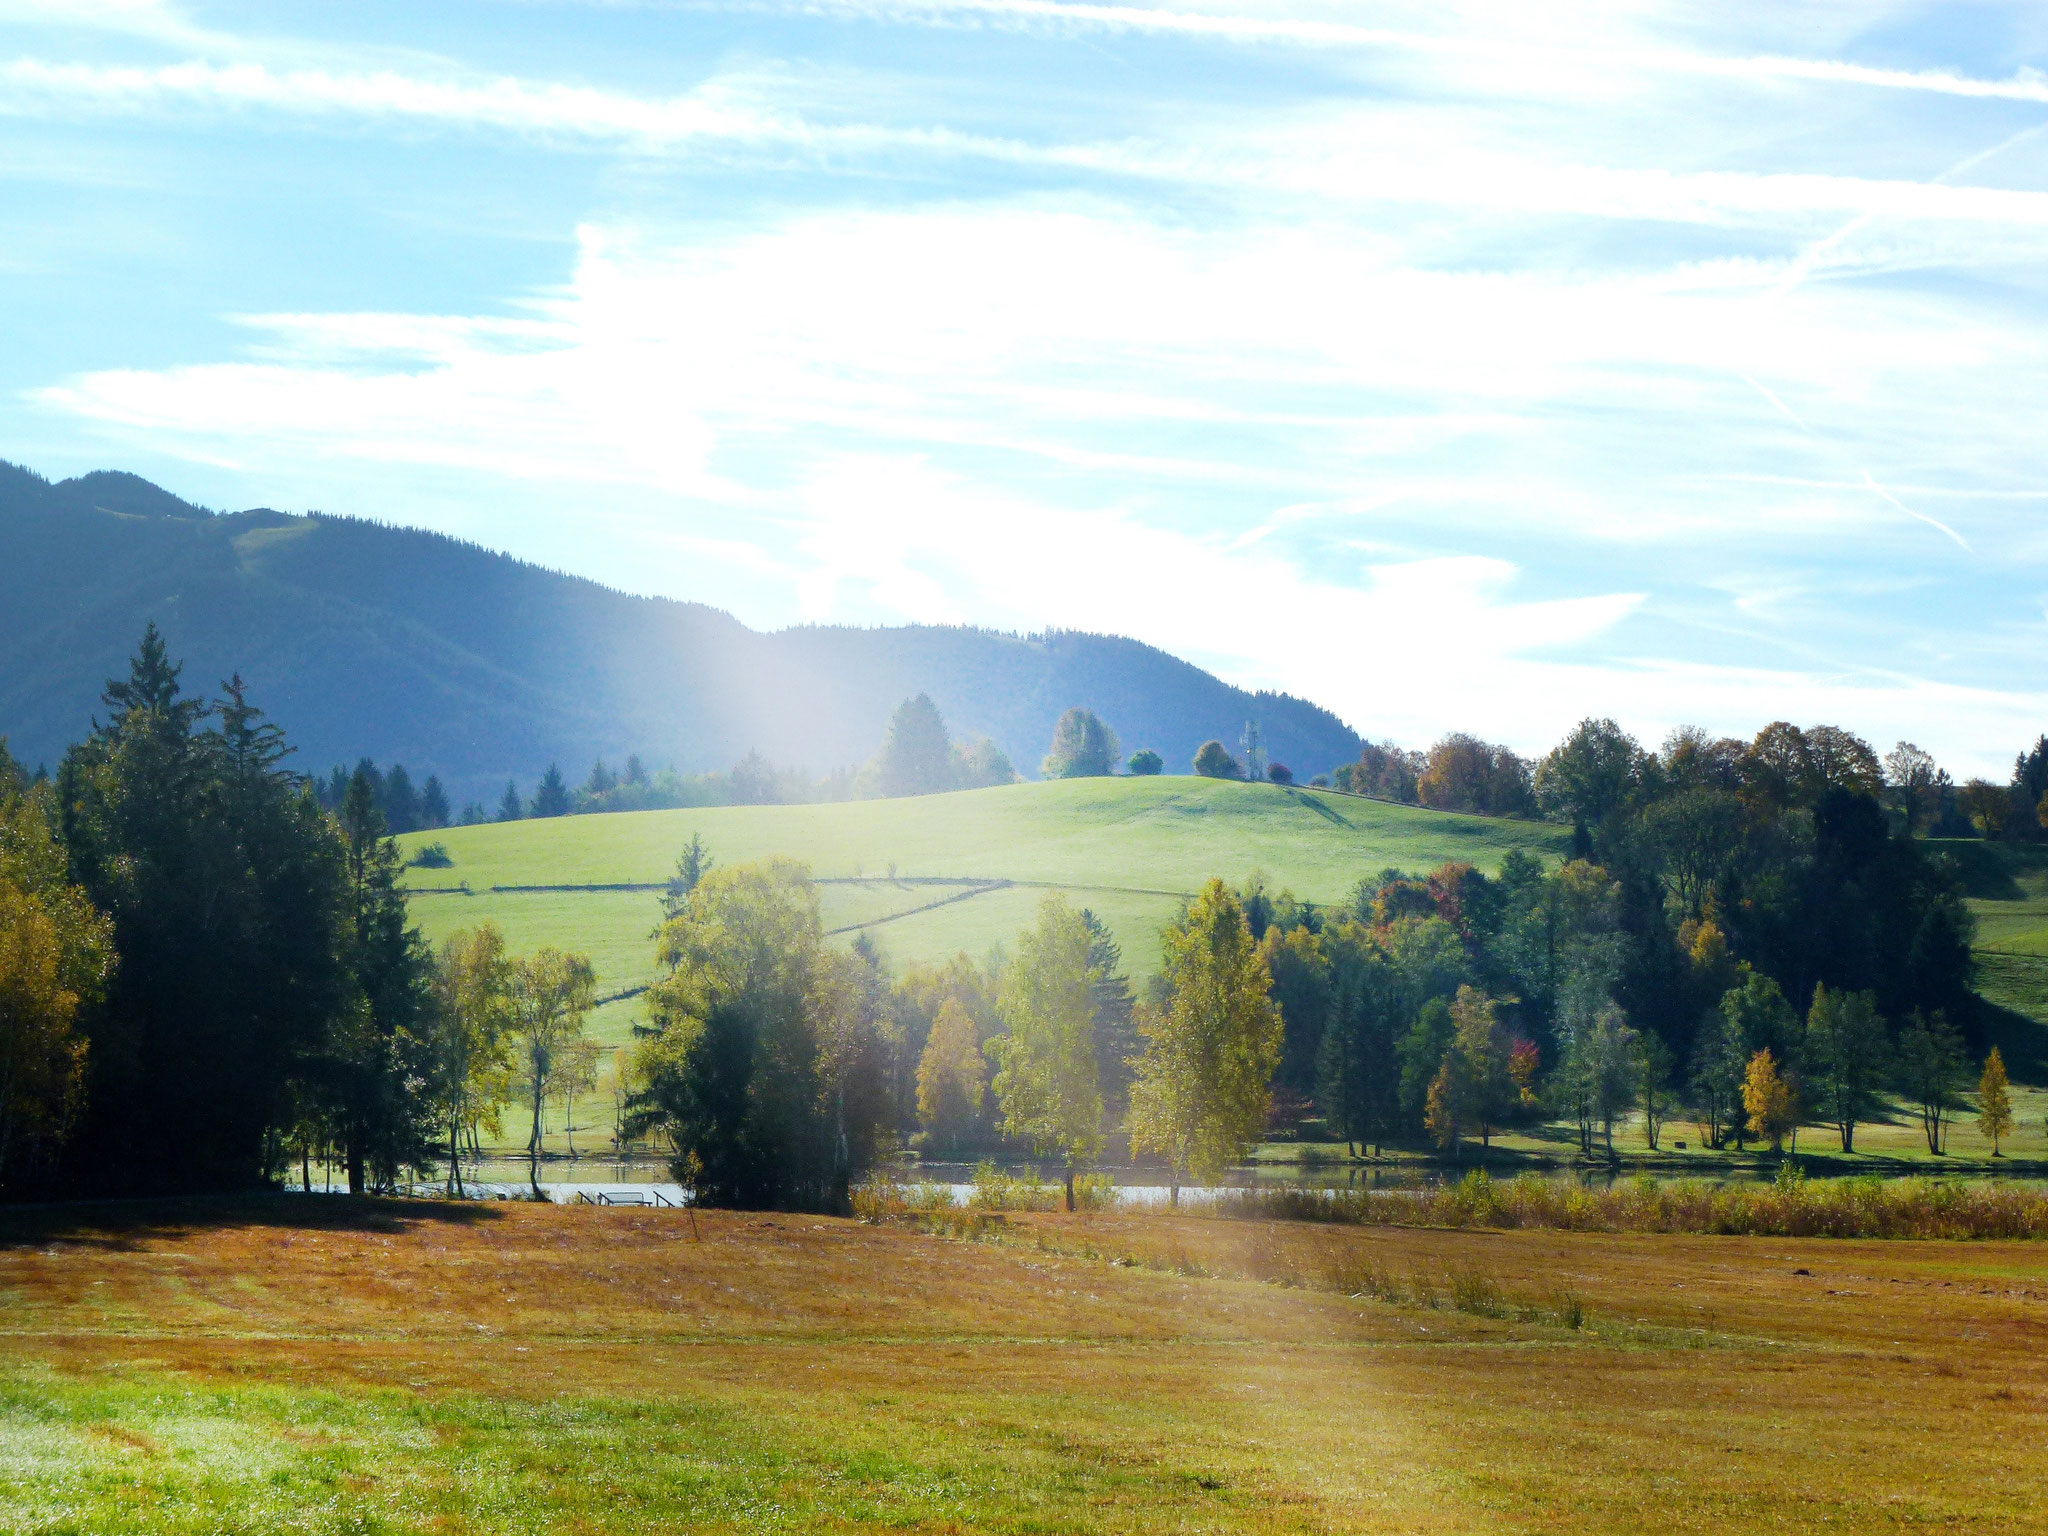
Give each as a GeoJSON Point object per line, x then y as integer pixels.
{"type": "Point", "coordinates": [552, 797]}
{"type": "Point", "coordinates": [917, 757]}
{"type": "Point", "coordinates": [433, 803]}
{"type": "Point", "coordinates": [224, 883]}
{"type": "Point", "coordinates": [382, 1049]}
{"type": "Point", "coordinates": [511, 807]}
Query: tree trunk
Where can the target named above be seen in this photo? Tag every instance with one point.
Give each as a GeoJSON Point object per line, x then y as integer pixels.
{"type": "Point", "coordinates": [533, 1145]}
{"type": "Point", "coordinates": [1070, 1187]}
{"type": "Point", "coordinates": [306, 1165]}
{"type": "Point", "coordinates": [355, 1167]}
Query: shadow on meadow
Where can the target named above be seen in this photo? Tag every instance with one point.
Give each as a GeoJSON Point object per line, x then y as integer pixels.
{"type": "Point", "coordinates": [122, 1225]}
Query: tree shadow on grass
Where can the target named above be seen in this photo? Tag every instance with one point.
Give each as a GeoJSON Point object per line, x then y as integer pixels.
{"type": "Point", "coordinates": [121, 1225]}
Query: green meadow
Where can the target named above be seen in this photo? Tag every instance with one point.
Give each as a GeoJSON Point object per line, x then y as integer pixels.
{"type": "Point", "coordinates": [929, 876]}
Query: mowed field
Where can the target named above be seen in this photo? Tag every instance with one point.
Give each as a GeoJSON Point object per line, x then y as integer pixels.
{"type": "Point", "coordinates": [334, 1365]}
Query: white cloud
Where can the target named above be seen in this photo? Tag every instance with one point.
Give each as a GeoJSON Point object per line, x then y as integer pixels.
{"type": "Point", "coordinates": [1357, 156]}
{"type": "Point", "coordinates": [1032, 413]}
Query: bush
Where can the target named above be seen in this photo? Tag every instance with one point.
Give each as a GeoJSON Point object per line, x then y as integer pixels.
{"type": "Point", "coordinates": [995, 1190]}
{"type": "Point", "coordinates": [1145, 762]}
{"type": "Point", "coordinates": [1280, 773]}
{"type": "Point", "coordinates": [1214, 761]}
{"type": "Point", "coordinates": [433, 856]}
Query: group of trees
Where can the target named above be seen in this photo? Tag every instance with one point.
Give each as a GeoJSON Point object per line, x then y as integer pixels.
{"type": "Point", "coordinates": [1459, 773]}
{"type": "Point", "coordinates": [206, 972]}
{"type": "Point", "coordinates": [776, 1066]}
{"type": "Point", "coordinates": [404, 807]}
{"type": "Point", "coordinates": [2016, 811]}
{"type": "Point", "coordinates": [1463, 773]}
{"type": "Point", "coordinates": [1711, 883]}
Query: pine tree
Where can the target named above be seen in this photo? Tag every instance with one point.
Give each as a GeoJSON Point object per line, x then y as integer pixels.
{"type": "Point", "coordinates": [400, 801]}
{"type": "Point", "coordinates": [917, 757]}
{"type": "Point", "coordinates": [552, 797]}
{"type": "Point", "coordinates": [382, 1051]}
{"type": "Point", "coordinates": [1994, 1101]}
{"type": "Point", "coordinates": [511, 807]}
{"type": "Point", "coordinates": [433, 804]}
{"type": "Point", "coordinates": [692, 865]}
{"type": "Point", "coordinates": [226, 889]}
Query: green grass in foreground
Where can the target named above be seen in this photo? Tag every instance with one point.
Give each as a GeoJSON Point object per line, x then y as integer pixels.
{"type": "Point", "coordinates": [344, 1366]}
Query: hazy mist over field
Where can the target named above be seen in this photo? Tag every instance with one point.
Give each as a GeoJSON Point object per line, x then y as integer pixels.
{"type": "Point", "coordinates": [1474, 366]}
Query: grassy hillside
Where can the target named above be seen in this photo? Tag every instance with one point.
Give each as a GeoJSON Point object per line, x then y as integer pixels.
{"type": "Point", "coordinates": [925, 877]}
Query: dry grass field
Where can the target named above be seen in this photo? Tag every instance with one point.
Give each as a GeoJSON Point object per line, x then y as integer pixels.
{"type": "Point", "coordinates": [328, 1365]}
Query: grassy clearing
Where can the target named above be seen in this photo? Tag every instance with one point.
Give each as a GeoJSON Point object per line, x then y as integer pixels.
{"type": "Point", "coordinates": [334, 1365]}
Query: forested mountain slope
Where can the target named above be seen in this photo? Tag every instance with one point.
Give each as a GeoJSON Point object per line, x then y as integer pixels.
{"type": "Point", "coordinates": [413, 647]}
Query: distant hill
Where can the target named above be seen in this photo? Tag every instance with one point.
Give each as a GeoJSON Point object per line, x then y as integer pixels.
{"type": "Point", "coordinates": [413, 647]}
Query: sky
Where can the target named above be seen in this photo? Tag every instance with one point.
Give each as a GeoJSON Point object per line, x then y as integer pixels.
{"type": "Point", "coordinates": [1464, 365]}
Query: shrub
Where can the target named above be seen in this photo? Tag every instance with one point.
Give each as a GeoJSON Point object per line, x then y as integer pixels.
{"type": "Point", "coordinates": [1145, 762]}
{"type": "Point", "coordinates": [1213, 761]}
{"type": "Point", "coordinates": [995, 1190]}
{"type": "Point", "coordinates": [433, 856]}
{"type": "Point", "coordinates": [1280, 773]}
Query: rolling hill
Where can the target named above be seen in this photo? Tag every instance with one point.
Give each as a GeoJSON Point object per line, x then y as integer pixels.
{"type": "Point", "coordinates": [929, 876]}
{"type": "Point", "coordinates": [409, 646]}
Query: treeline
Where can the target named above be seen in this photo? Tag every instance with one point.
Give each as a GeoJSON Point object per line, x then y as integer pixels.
{"type": "Point", "coordinates": [1741, 931]}
{"type": "Point", "coordinates": [207, 979]}
{"type": "Point", "coordinates": [1783, 761]}
{"type": "Point", "coordinates": [203, 971]}
{"type": "Point", "coordinates": [918, 756]}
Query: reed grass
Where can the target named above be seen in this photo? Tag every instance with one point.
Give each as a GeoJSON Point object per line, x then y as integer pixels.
{"type": "Point", "coordinates": [1791, 1207]}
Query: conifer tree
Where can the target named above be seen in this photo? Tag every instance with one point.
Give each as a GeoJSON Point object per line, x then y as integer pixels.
{"type": "Point", "coordinates": [433, 804]}
{"type": "Point", "coordinates": [510, 806]}
{"type": "Point", "coordinates": [552, 796]}
{"type": "Point", "coordinates": [382, 1051]}
{"type": "Point", "coordinates": [226, 888]}
{"type": "Point", "coordinates": [917, 757]}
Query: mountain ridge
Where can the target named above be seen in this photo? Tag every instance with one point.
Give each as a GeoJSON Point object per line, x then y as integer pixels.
{"type": "Point", "coordinates": [362, 637]}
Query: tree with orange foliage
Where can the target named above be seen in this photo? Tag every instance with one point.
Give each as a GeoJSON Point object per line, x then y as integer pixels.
{"type": "Point", "coordinates": [1769, 1100]}
{"type": "Point", "coordinates": [1994, 1102]}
